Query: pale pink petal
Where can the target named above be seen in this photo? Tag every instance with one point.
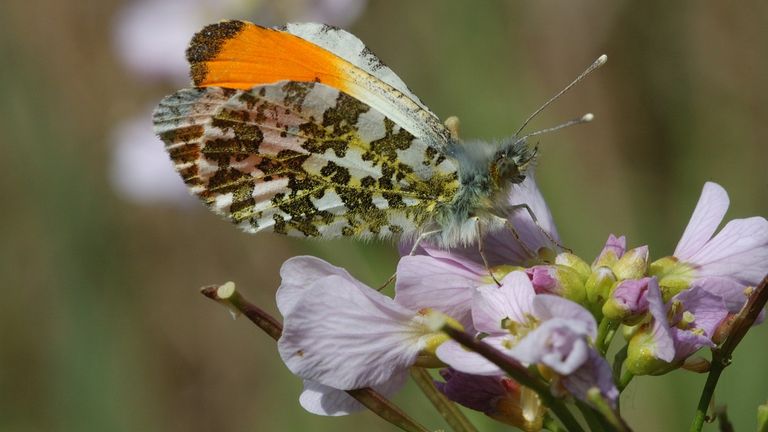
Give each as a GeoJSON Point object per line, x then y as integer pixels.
{"type": "Point", "coordinates": [707, 216]}
{"type": "Point", "coordinates": [327, 401]}
{"type": "Point", "coordinates": [731, 291]}
{"type": "Point", "coordinates": [463, 360]}
{"type": "Point", "coordinates": [342, 336]}
{"type": "Point", "coordinates": [513, 300]}
{"type": "Point", "coordinates": [739, 251]}
{"type": "Point", "coordinates": [441, 284]}
{"type": "Point", "coordinates": [595, 372]}
{"type": "Point", "coordinates": [558, 343]}
{"type": "Point", "coordinates": [529, 193]}
{"type": "Point", "coordinates": [547, 307]}
{"type": "Point", "coordinates": [664, 345]}
{"type": "Point", "coordinates": [299, 273]}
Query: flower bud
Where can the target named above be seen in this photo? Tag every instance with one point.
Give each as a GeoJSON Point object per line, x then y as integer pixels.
{"type": "Point", "coordinates": [498, 397]}
{"type": "Point", "coordinates": [558, 279]}
{"type": "Point", "coordinates": [628, 302]}
{"type": "Point", "coordinates": [633, 264]}
{"type": "Point", "coordinates": [723, 329]}
{"type": "Point", "coordinates": [674, 276]}
{"type": "Point", "coordinates": [762, 418]}
{"type": "Point", "coordinates": [641, 356]}
{"type": "Point", "coordinates": [599, 285]}
{"type": "Point", "coordinates": [613, 250]}
{"type": "Point", "coordinates": [696, 364]}
{"type": "Point", "coordinates": [574, 262]}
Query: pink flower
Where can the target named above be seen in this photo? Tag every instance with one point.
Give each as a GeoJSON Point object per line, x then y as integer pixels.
{"type": "Point", "coordinates": [533, 329]}
{"type": "Point", "coordinates": [677, 329]}
{"type": "Point", "coordinates": [725, 263]}
{"type": "Point", "coordinates": [341, 335]}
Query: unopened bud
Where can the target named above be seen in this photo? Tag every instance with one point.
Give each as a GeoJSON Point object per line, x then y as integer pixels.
{"type": "Point", "coordinates": [641, 356]}
{"type": "Point", "coordinates": [723, 329]}
{"type": "Point", "coordinates": [613, 250]}
{"type": "Point", "coordinates": [696, 364]}
{"type": "Point", "coordinates": [674, 276]}
{"type": "Point", "coordinates": [599, 285]}
{"type": "Point", "coordinates": [558, 279]}
{"type": "Point", "coordinates": [633, 264]}
{"type": "Point", "coordinates": [628, 302]}
{"type": "Point", "coordinates": [574, 262]}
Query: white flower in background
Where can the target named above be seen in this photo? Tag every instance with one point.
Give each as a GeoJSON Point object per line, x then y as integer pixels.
{"type": "Point", "coordinates": [140, 168]}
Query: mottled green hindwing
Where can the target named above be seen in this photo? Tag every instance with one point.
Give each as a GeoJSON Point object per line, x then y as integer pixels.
{"type": "Point", "coordinates": [303, 158]}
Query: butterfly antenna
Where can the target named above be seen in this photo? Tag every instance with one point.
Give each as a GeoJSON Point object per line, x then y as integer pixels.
{"type": "Point", "coordinates": [586, 118]}
{"type": "Point", "coordinates": [597, 63]}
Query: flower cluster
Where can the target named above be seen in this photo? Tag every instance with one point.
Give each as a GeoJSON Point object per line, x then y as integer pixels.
{"type": "Point", "coordinates": [541, 306]}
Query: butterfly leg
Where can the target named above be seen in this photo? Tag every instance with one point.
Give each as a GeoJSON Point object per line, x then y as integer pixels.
{"type": "Point", "coordinates": [481, 251]}
{"type": "Point", "coordinates": [416, 244]}
{"type": "Point", "coordinates": [536, 221]}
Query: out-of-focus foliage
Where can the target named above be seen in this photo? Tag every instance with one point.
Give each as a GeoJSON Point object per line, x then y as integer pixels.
{"type": "Point", "coordinates": [101, 325]}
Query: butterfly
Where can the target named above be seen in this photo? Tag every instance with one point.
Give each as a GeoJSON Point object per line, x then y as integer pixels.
{"type": "Point", "coordinates": [302, 130]}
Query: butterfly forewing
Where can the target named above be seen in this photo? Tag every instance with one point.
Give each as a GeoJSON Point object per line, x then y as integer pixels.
{"type": "Point", "coordinates": [303, 158]}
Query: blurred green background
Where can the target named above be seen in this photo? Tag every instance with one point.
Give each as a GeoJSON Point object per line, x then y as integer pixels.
{"type": "Point", "coordinates": [101, 325]}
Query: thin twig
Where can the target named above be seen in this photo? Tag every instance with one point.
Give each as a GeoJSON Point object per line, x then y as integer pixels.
{"type": "Point", "coordinates": [227, 295]}
{"type": "Point", "coordinates": [450, 412]}
{"type": "Point", "coordinates": [721, 356]}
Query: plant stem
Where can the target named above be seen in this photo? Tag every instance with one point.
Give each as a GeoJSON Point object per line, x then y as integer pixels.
{"type": "Point", "coordinates": [605, 332]}
{"type": "Point", "coordinates": [519, 373]}
{"type": "Point", "coordinates": [589, 415]}
{"type": "Point", "coordinates": [721, 356]}
{"type": "Point", "coordinates": [228, 296]}
{"type": "Point", "coordinates": [450, 412]}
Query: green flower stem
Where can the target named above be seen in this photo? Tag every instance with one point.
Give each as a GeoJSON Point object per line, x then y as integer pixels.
{"type": "Point", "coordinates": [605, 332]}
{"type": "Point", "coordinates": [613, 420]}
{"type": "Point", "coordinates": [228, 296]}
{"type": "Point", "coordinates": [622, 378]}
{"type": "Point", "coordinates": [552, 425]}
{"type": "Point", "coordinates": [450, 412]}
{"type": "Point", "coordinates": [625, 379]}
{"type": "Point", "coordinates": [594, 423]}
{"type": "Point", "coordinates": [519, 373]}
{"type": "Point", "coordinates": [721, 356]}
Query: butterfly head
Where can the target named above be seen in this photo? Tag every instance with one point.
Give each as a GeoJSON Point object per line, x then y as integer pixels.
{"type": "Point", "coordinates": [511, 162]}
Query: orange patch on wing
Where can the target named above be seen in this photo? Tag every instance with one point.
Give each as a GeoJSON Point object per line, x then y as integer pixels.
{"type": "Point", "coordinates": [241, 55]}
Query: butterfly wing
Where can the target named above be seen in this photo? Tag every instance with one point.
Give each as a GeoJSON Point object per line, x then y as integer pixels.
{"type": "Point", "coordinates": [241, 55]}
{"type": "Point", "coordinates": [303, 158]}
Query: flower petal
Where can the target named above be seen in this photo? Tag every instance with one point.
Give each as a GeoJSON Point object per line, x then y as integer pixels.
{"type": "Point", "coordinates": [441, 284]}
{"type": "Point", "coordinates": [513, 299]}
{"type": "Point", "coordinates": [480, 393]}
{"type": "Point", "coordinates": [664, 345]}
{"type": "Point", "coordinates": [595, 372]}
{"type": "Point", "coordinates": [327, 401]}
{"type": "Point", "coordinates": [470, 362]}
{"type": "Point", "coordinates": [707, 216]}
{"type": "Point", "coordinates": [298, 273]}
{"type": "Point", "coordinates": [346, 337]}
{"type": "Point", "coordinates": [529, 193]}
{"type": "Point", "coordinates": [547, 307]}
{"type": "Point", "coordinates": [557, 343]}
{"type": "Point", "coordinates": [739, 251]}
